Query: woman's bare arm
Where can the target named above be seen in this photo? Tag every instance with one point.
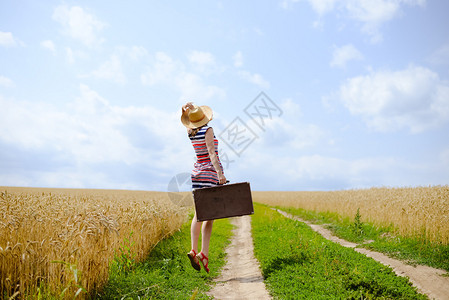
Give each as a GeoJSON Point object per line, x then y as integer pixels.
{"type": "Point", "coordinates": [185, 108]}
{"type": "Point", "coordinates": [213, 156]}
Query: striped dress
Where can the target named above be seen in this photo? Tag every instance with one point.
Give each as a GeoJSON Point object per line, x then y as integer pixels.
{"type": "Point", "coordinates": [203, 173]}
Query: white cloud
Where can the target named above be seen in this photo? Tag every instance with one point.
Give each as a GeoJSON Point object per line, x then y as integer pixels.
{"type": "Point", "coordinates": [133, 53]}
{"type": "Point", "coordinates": [281, 132]}
{"type": "Point", "coordinates": [70, 56]}
{"type": "Point", "coordinates": [255, 78]}
{"type": "Point", "coordinates": [342, 55]}
{"type": "Point", "coordinates": [26, 134]}
{"type": "Point", "coordinates": [315, 171]}
{"type": "Point", "coordinates": [288, 132]}
{"type": "Point", "coordinates": [318, 172]}
{"type": "Point", "coordinates": [120, 62]}
{"type": "Point", "coordinates": [89, 102]}
{"type": "Point", "coordinates": [288, 106]}
{"type": "Point", "coordinates": [80, 130]}
{"type": "Point", "coordinates": [201, 58]}
{"type": "Point", "coordinates": [322, 6]}
{"type": "Point", "coordinates": [87, 141]}
{"type": "Point", "coordinates": [49, 45]}
{"type": "Point", "coordinates": [193, 87]}
{"type": "Point", "coordinates": [110, 70]}
{"type": "Point", "coordinates": [167, 71]}
{"type": "Point", "coordinates": [414, 98]}
{"type": "Point", "coordinates": [440, 56]}
{"type": "Point", "coordinates": [238, 59]}
{"type": "Point", "coordinates": [73, 55]}
{"type": "Point", "coordinates": [286, 4]}
{"type": "Point", "coordinates": [164, 69]}
{"type": "Point", "coordinates": [373, 13]}
{"type": "Point", "coordinates": [370, 13]}
{"type": "Point", "coordinates": [6, 82]}
{"type": "Point", "coordinates": [320, 167]}
{"type": "Point", "coordinates": [79, 24]}
{"type": "Point", "coordinates": [136, 52]}
{"type": "Point", "coordinates": [204, 63]}
{"type": "Point", "coordinates": [8, 40]}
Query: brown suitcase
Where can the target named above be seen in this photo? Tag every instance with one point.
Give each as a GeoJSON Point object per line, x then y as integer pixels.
{"type": "Point", "coordinates": [223, 201]}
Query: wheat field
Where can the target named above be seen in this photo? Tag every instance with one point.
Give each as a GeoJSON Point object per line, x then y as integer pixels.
{"type": "Point", "coordinates": [66, 239]}
{"type": "Point", "coordinates": [421, 212]}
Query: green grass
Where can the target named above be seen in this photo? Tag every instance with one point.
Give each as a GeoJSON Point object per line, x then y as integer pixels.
{"type": "Point", "coordinates": [298, 263]}
{"type": "Point", "coordinates": [167, 273]}
{"type": "Point", "coordinates": [411, 250]}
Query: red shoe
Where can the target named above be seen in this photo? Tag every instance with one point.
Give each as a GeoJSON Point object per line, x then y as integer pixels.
{"type": "Point", "coordinates": [194, 260]}
{"type": "Point", "coordinates": [202, 260]}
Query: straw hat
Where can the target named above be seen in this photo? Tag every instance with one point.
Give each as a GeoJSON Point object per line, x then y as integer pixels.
{"type": "Point", "coordinates": [197, 116]}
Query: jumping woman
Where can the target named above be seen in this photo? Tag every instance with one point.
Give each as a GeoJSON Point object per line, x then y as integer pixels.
{"type": "Point", "coordinates": [207, 172]}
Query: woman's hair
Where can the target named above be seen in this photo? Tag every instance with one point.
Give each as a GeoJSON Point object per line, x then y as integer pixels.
{"type": "Point", "coordinates": [194, 131]}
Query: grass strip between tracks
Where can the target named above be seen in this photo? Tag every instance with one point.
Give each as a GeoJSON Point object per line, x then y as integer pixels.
{"type": "Point", "coordinates": [298, 263]}
{"type": "Point", "coordinates": [412, 250]}
{"type": "Point", "coordinates": [167, 273]}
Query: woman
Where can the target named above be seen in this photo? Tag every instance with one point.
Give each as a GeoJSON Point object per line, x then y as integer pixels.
{"type": "Point", "coordinates": [207, 172]}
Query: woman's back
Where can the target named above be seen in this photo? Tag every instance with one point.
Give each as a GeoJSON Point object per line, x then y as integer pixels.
{"type": "Point", "coordinates": [200, 147]}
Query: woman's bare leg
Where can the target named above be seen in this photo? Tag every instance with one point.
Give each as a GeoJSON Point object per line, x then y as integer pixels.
{"type": "Point", "coordinates": [206, 232]}
{"type": "Point", "coordinates": [195, 229]}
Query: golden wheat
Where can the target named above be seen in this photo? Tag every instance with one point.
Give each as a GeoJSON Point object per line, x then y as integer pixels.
{"type": "Point", "coordinates": [416, 211]}
{"type": "Point", "coordinates": [82, 229]}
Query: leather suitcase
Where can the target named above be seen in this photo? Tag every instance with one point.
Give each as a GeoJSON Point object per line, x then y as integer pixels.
{"type": "Point", "coordinates": [223, 201]}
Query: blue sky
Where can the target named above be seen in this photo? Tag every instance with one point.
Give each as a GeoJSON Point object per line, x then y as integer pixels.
{"type": "Point", "coordinates": [355, 93]}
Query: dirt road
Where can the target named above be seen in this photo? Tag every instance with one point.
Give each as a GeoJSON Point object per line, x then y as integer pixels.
{"type": "Point", "coordinates": [241, 277]}
{"type": "Point", "coordinates": [428, 280]}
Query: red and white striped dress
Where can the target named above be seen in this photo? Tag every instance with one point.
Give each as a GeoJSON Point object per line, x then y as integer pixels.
{"type": "Point", "coordinates": [203, 173]}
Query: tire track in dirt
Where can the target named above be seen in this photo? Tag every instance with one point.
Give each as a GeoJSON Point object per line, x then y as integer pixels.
{"type": "Point", "coordinates": [427, 280]}
{"type": "Point", "coordinates": [241, 277]}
